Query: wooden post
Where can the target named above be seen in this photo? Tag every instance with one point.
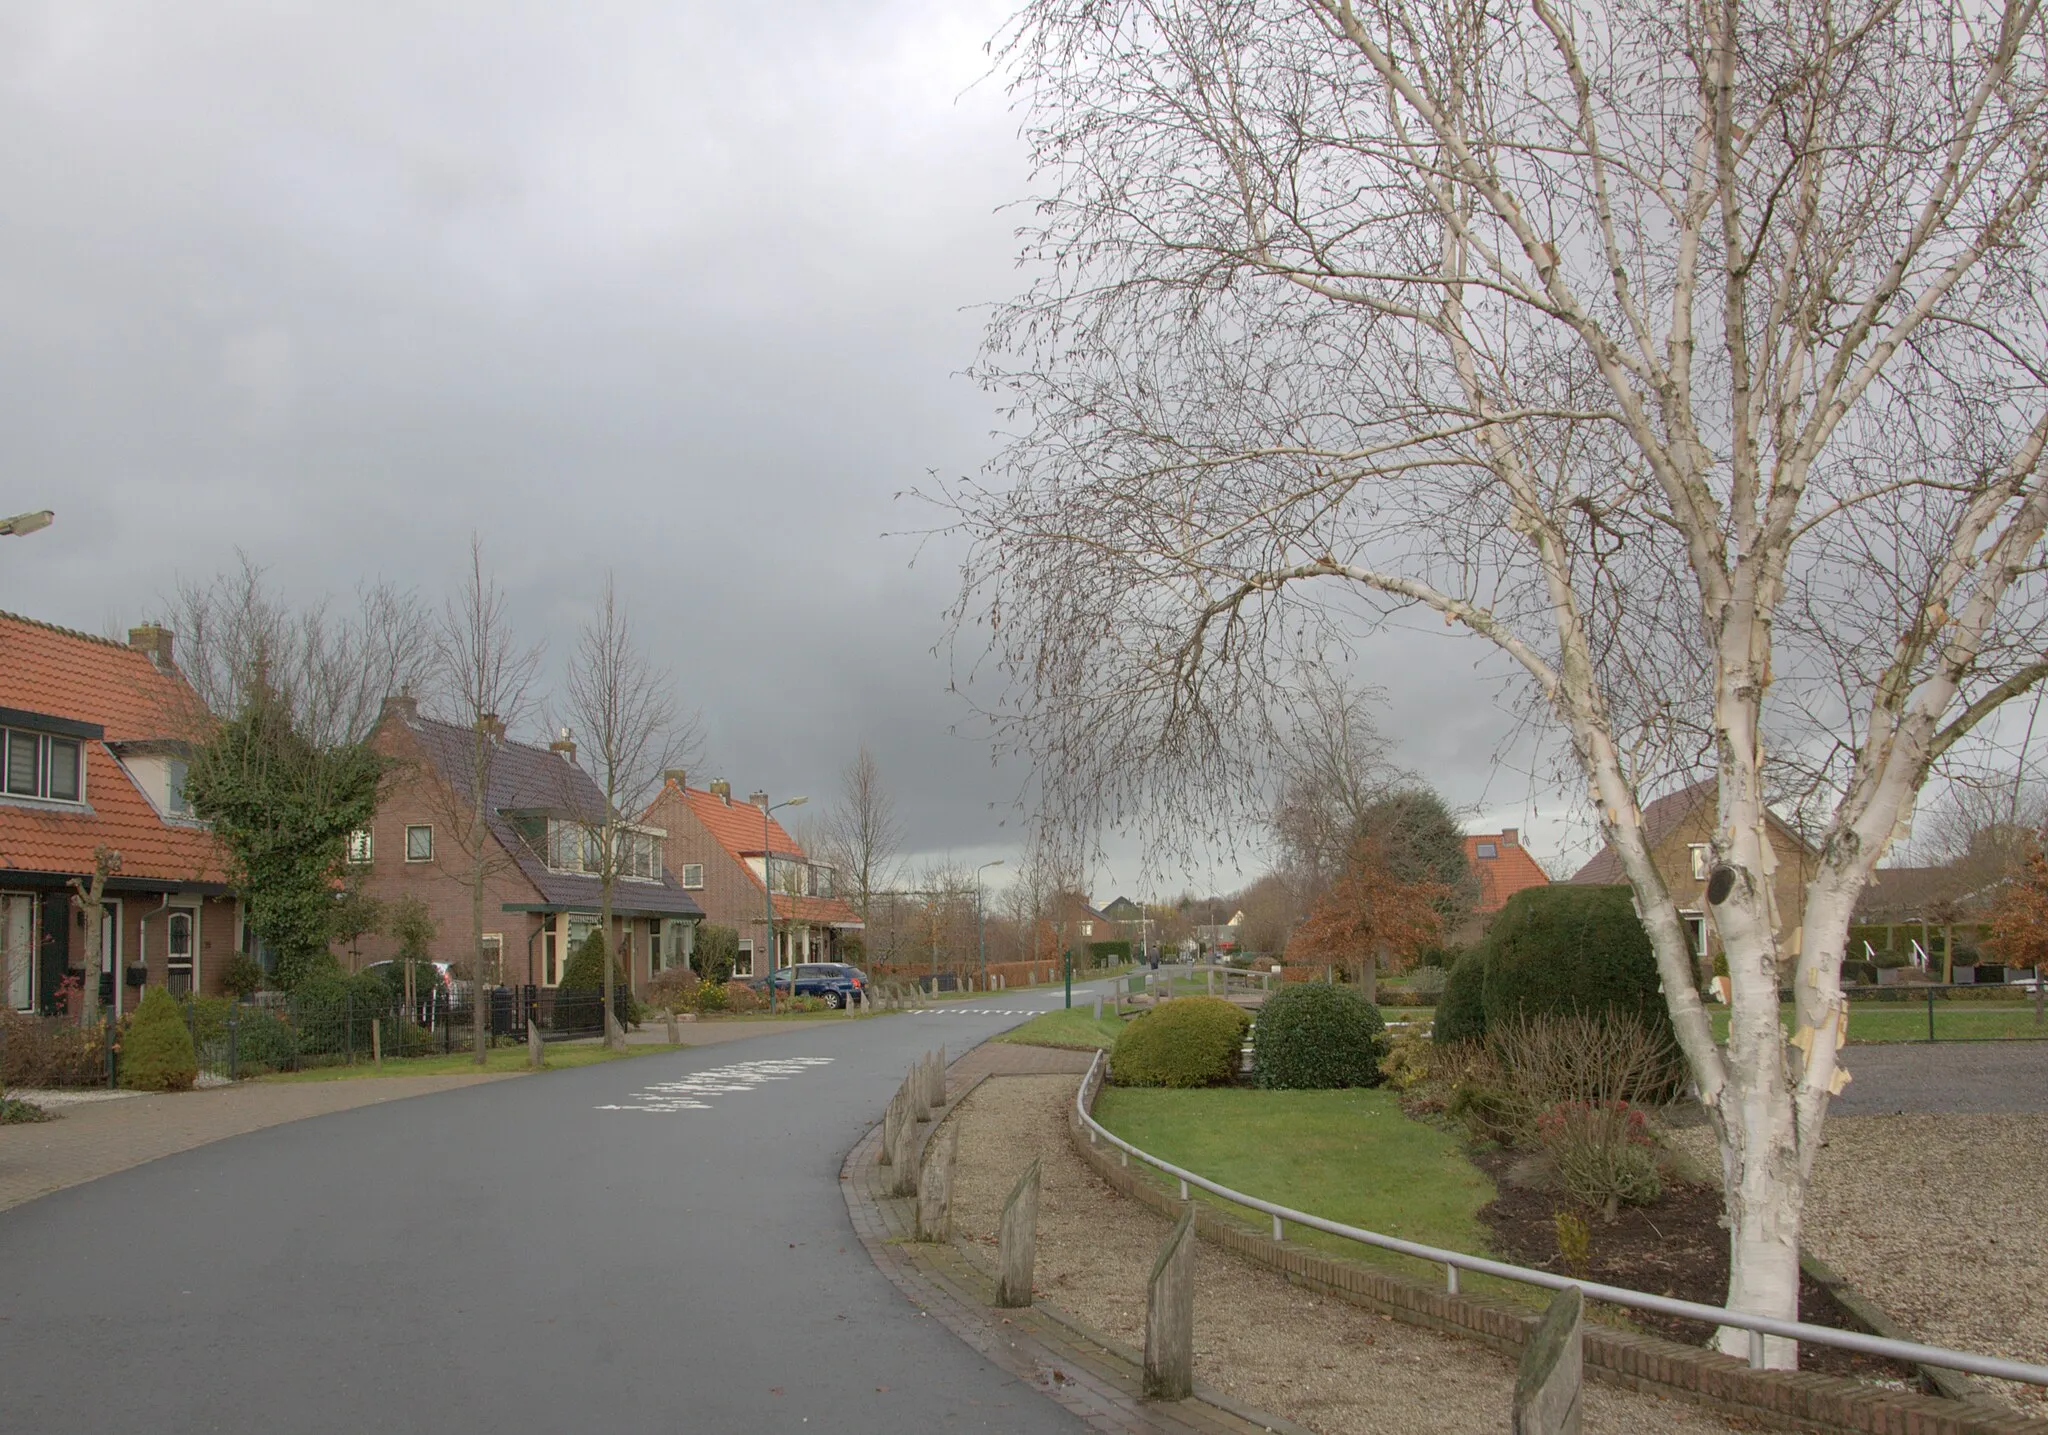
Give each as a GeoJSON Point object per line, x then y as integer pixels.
{"type": "Point", "coordinates": [919, 1091]}
{"type": "Point", "coordinates": [903, 1160]}
{"type": "Point", "coordinates": [377, 1043]}
{"type": "Point", "coordinates": [1547, 1385]}
{"type": "Point", "coordinates": [1211, 974]}
{"type": "Point", "coordinates": [892, 1117]}
{"type": "Point", "coordinates": [675, 1032]}
{"type": "Point", "coordinates": [1170, 1315]}
{"type": "Point", "coordinates": [1017, 1241]}
{"type": "Point", "coordinates": [935, 1074]}
{"type": "Point", "coordinates": [1098, 1006]}
{"type": "Point", "coordinates": [935, 1186]}
{"type": "Point", "coordinates": [536, 1054]}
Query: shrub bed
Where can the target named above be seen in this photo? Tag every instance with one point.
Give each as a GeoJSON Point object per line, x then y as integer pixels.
{"type": "Point", "coordinates": [50, 1051]}
{"type": "Point", "coordinates": [1318, 1038]}
{"type": "Point", "coordinates": [1190, 1041]}
{"type": "Point", "coordinates": [1560, 949]}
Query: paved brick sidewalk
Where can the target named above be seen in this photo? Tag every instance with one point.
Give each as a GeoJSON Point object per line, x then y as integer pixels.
{"type": "Point", "coordinates": [1092, 1377]}
{"type": "Point", "coordinates": [99, 1138]}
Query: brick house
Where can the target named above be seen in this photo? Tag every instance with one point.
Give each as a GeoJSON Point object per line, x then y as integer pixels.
{"type": "Point", "coordinates": [92, 754]}
{"type": "Point", "coordinates": [720, 850]}
{"type": "Point", "coordinates": [540, 901]}
{"type": "Point", "coordinates": [1679, 828]}
{"type": "Point", "coordinates": [1501, 866]}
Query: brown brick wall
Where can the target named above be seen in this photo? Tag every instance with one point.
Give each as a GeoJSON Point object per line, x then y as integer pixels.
{"type": "Point", "coordinates": [1674, 862]}
{"type": "Point", "coordinates": [730, 896]}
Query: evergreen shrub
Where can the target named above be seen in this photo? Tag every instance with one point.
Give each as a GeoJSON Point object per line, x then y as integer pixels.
{"type": "Point", "coordinates": [156, 1050]}
{"type": "Point", "coordinates": [1315, 1037]}
{"type": "Point", "coordinates": [1190, 1041]}
{"type": "Point", "coordinates": [585, 969]}
{"type": "Point", "coordinates": [1561, 949]}
{"type": "Point", "coordinates": [1461, 1010]}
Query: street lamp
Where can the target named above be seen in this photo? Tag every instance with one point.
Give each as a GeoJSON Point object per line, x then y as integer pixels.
{"type": "Point", "coordinates": [26, 523]}
{"type": "Point", "coordinates": [768, 896]}
{"type": "Point", "coordinates": [981, 932]}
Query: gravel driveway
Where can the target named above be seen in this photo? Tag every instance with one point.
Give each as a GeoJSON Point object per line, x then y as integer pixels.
{"type": "Point", "coordinates": [1325, 1364]}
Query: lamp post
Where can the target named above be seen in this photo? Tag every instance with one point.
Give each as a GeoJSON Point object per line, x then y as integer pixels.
{"type": "Point", "coordinates": [768, 896]}
{"type": "Point", "coordinates": [23, 524]}
{"type": "Point", "coordinates": [980, 931]}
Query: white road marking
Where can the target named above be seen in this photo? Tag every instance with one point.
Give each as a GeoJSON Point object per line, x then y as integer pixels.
{"type": "Point", "coordinates": [685, 1093]}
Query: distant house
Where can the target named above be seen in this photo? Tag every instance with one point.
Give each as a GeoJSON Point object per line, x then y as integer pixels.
{"type": "Point", "coordinates": [1928, 914]}
{"type": "Point", "coordinates": [542, 897]}
{"type": "Point", "coordinates": [1501, 866]}
{"type": "Point", "coordinates": [1678, 829]}
{"type": "Point", "coordinates": [1133, 924]}
{"type": "Point", "coordinates": [729, 854]}
{"type": "Point", "coordinates": [93, 744]}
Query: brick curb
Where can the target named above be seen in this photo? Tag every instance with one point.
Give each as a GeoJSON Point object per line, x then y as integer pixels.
{"type": "Point", "coordinates": [1087, 1374]}
{"type": "Point", "coordinates": [1786, 1399]}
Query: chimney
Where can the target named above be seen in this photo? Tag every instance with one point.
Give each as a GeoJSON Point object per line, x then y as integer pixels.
{"type": "Point", "coordinates": [722, 790]}
{"type": "Point", "coordinates": [1507, 838]}
{"type": "Point", "coordinates": [679, 777]}
{"type": "Point", "coordinates": [759, 799]}
{"type": "Point", "coordinates": [155, 641]}
{"type": "Point", "coordinates": [403, 706]}
{"type": "Point", "coordinates": [565, 745]}
{"type": "Point", "coordinates": [492, 727]}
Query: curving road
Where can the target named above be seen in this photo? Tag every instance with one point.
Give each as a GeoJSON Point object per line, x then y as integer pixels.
{"type": "Point", "coordinates": [654, 1244]}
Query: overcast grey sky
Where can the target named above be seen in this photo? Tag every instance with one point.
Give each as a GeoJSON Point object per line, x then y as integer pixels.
{"type": "Point", "coordinates": [683, 291]}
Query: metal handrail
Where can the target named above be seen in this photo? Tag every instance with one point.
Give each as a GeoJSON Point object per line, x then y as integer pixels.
{"type": "Point", "coordinates": [1758, 1326]}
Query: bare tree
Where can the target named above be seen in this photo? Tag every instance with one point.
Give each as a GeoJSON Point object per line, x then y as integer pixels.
{"type": "Point", "coordinates": [1330, 766]}
{"type": "Point", "coordinates": [90, 895]}
{"type": "Point", "coordinates": [862, 837]}
{"type": "Point", "coordinates": [332, 668]}
{"type": "Point", "coordinates": [623, 710]}
{"type": "Point", "coordinates": [1687, 353]}
{"type": "Point", "coordinates": [485, 675]}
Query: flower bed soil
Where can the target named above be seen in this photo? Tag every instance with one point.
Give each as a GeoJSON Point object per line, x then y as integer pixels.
{"type": "Point", "coordinates": [1676, 1247]}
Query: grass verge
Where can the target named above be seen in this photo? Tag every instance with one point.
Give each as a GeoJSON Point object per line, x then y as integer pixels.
{"type": "Point", "coordinates": [1900, 1021]}
{"type": "Point", "coordinates": [1348, 1156]}
{"type": "Point", "coordinates": [501, 1058]}
{"type": "Point", "coordinates": [1072, 1028]}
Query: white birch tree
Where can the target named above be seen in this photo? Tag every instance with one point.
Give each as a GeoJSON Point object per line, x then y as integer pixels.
{"type": "Point", "coordinates": [1689, 352]}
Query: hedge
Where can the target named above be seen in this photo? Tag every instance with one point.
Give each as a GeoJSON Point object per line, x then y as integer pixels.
{"type": "Point", "coordinates": [156, 1050]}
{"type": "Point", "coordinates": [1315, 1038]}
{"type": "Point", "coordinates": [585, 969]}
{"type": "Point", "coordinates": [1106, 954]}
{"type": "Point", "coordinates": [1189, 1041]}
{"type": "Point", "coordinates": [1567, 948]}
{"type": "Point", "coordinates": [1461, 1010]}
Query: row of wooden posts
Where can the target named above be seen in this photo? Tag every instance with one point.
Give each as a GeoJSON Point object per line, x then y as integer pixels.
{"type": "Point", "coordinates": [1546, 1399]}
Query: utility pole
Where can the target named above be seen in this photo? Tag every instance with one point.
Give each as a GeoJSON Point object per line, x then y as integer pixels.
{"type": "Point", "coordinates": [768, 897]}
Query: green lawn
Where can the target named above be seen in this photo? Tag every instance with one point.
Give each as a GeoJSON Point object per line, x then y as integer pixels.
{"type": "Point", "coordinates": [1065, 1027]}
{"type": "Point", "coordinates": [1907, 1020]}
{"type": "Point", "coordinates": [500, 1058]}
{"type": "Point", "coordinates": [1349, 1156]}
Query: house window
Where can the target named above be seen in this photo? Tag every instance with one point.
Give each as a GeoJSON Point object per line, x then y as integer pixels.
{"type": "Point", "coordinates": [1487, 849]}
{"type": "Point", "coordinates": [18, 949]}
{"type": "Point", "coordinates": [677, 941]}
{"type": "Point", "coordinates": [359, 846]}
{"type": "Point", "coordinates": [39, 765]}
{"type": "Point", "coordinates": [743, 964]}
{"type": "Point", "coordinates": [176, 771]}
{"type": "Point", "coordinates": [494, 958]}
{"type": "Point", "coordinates": [550, 958]}
{"type": "Point", "coordinates": [1699, 861]}
{"type": "Point", "coordinates": [1695, 932]}
{"type": "Point", "coordinates": [1087, 929]}
{"type": "Point", "coordinates": [693, 876]}
{"type": "Point", "coordinates": [640, 856]}
{"type": "Point", "coordinates": [419, 843]}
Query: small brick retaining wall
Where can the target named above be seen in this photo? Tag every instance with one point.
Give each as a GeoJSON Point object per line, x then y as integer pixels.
{"type": "Point", "coordinates": [1793, 1400]}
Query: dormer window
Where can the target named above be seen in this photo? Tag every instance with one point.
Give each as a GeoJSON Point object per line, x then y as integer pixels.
{"type": "Point", "coordinates": [1488, 849]}
{"type": "Point", "coordinates": [42, 765]}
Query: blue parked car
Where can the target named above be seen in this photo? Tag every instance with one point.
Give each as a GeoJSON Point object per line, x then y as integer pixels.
{"type": "Point", "coordinates": [836, 982]}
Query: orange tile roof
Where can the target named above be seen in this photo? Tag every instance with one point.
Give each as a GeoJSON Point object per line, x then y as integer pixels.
{"type": "Point", "coordinates": [1501, 876]}
{"type": "Point", "coordinates": [47, 669]}
{"type": "Point", "coordinates": [737, 827]}
{"type": "Point", "coordinates": [54, 671]}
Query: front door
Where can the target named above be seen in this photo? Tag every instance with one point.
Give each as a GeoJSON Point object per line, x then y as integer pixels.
{"type": "Point", "coordinates": [110, 953]}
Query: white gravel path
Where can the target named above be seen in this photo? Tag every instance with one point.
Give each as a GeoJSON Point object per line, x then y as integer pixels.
{"type": "Point", "coordinates": [1327, 1365]}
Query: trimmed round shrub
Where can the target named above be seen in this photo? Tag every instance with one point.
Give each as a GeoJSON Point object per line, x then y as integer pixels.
{"type": "Point", "coordinates": [1190, 1041]}
{"type": "Point", "coordinates": [156, 1050]}
{"type": "Point", "coordinates": [1461, 1010]}
{"type": "Point", "coordinates": [1314, 1037]}
{"type": "Point", "coordinates": [585, 969]}
{"type": "Point", "coordinates": [1561, 949]}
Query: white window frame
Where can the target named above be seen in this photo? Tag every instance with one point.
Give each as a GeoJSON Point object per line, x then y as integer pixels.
{"type": "Point", "coordinates": [1695, 924]}
{"type": "Point", "coordinates": [743, 959]}
{"type": "Point", "coordinates": [1486, 851]}
{"type": "Point", "coordinates": [426, 827]}
{"type": "Point", "coordinates": [692, 876]}
{"type": "Point", "coordinates": [1702, 856]}
{"type": "Point", "coordinates": [43, 744]}
{"type": "Point", "coordinates": [362, 847]}
{"type": "Point", "coordinates": [494, 943]}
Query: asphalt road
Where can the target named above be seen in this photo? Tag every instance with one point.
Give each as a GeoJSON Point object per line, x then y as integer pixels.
{"type": "Point", "coordinates": [654, 1244]}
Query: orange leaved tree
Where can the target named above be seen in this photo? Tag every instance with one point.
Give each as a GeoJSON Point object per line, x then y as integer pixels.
{"type": "Point", "coordinates": [2018, 933]}
{"type": "Point", "coordinates": [1369, 914]}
